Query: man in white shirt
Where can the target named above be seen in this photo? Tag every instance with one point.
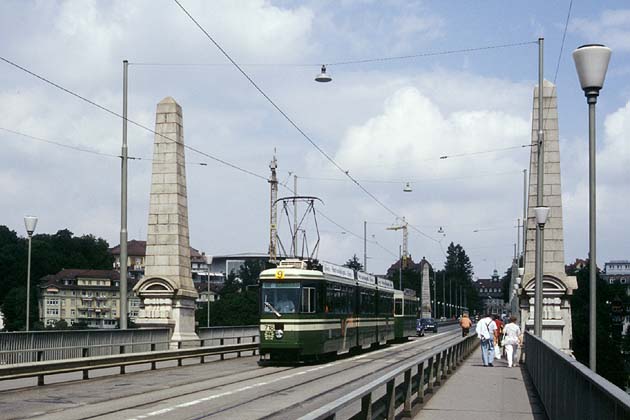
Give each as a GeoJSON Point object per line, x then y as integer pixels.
{"type": "Point", "coordinates": [485, 332]}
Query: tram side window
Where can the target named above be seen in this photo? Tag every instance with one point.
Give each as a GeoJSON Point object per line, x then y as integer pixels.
{"type": "Point", "coordinates": [385, 304]}
{"type": "Point", "coordinates": [338, 299]}
{"type": "Point", "coordinates": [308, 300]}
{"type": "Point", "coordinates": [410, 307]}
{"type": "Point", "coordinates": [367, 302]}
{"type": "Point", "coordinates": [398, 306]}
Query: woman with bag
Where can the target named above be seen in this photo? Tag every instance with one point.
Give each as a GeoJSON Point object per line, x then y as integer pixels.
{"type": "Point", "coordinates": [512, 338]}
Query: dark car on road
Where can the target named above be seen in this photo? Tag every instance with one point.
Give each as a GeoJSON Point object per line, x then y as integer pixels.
{"type": "Point", "coordinates": [430, 324]}
{"type": "Point", "coordinates": [419, 328]}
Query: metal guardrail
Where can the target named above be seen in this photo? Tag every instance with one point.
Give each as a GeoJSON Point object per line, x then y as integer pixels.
{"type": "Point", "coordinates": [85, 364]}
{"type": "Point", "coordinates": [431, 369]}
{"type": "Point", "coordinates": [570, 390]}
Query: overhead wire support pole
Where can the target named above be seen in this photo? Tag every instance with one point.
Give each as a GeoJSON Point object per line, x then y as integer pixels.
{"type": "Point", "coordinates": [365, 246]}
{"type": "Point", "coordinates": [273, 212]}
{"type": "Point", "coordinates": [524, 213]}
{"type": "Point", "coordinates": [295, 223]}
{"type": "Point", "coordinates": [539, 199]}
{"type": "Point", "coordinates": [123, 207]}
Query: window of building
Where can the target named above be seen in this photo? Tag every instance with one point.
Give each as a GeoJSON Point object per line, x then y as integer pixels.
{"type": "Point", "coordinates": [52, 311]}
{"type": "Point", "coordinates": [54, 301]}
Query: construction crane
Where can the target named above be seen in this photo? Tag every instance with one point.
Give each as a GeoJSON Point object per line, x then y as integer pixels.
{"type": "Point", "coordinates": [405, 253]}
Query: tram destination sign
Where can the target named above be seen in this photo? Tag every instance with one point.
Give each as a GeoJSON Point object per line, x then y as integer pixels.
{"type": "Point", "coordinates": [366, 278]}
{"type": "Point", "coordinates": [385, 283]}
{"type": "Point", "coordinates": [337, 270]}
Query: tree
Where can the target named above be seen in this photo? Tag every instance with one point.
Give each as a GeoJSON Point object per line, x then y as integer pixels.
{"type": "Point", "coordinates": [49, 255]}
{"type": "Point", "coordinates": [458, 272]}
{"type": "Point", "coordinates": [232, 309]}
{"type": "Point", "coordinates": [354, 263]}
{"type": "Point", "coordinates": [231, 285]}
{"type": "Point", "coordinates": [250, 271]}
{"type": "Point", "coordinates": [609, 350]}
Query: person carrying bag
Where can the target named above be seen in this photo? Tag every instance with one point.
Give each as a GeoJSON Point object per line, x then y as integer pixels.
{"type": "Point", "coordinates": [512, 339]}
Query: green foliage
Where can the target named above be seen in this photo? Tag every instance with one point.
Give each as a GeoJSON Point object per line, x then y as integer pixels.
{"type": "Point", "coordinates": [231, 309]}
{"type": "Point", "coordinates": [609, 347]}
{"type": "Point", "coordinates": [458, 272]}
{"type": "Point", "coordinates": [49, 255]}
{"type": "Point", "coordinates": [238, 299]}
{"type": "Point", "coordinates": [231, 285]}
{"type": "Point", "coordinates": [354, 263]}
{"type": "Point", "coordinates": [250, 271]}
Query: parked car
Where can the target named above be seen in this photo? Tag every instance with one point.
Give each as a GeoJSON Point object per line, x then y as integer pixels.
{"type": "Point", "coordinates": [429, 324]}
{"type": "Point", "coordinates": [420, 328]}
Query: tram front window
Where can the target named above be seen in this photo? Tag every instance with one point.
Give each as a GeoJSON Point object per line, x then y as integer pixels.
{"type": "Point", "coordinates": [283, 298]}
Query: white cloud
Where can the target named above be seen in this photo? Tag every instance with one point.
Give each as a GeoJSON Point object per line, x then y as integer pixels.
{"type": "Point", "coordinates": [611, 28]}
{"type": "Point", "coordinates": [412, 129]}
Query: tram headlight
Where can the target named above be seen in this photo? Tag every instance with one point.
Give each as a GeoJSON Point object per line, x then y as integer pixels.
{"type": "Point", "coordinates": [279, 334]}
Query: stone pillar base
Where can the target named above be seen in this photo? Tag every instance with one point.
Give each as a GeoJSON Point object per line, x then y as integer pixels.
{"type": "Point", "coordinates": [184, 331]}
{"type": "Point", "coordinates": [164, 307]}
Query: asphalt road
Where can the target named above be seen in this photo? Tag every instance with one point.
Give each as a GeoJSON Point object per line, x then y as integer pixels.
{"type": "Point", "coordinates": [230, 389]}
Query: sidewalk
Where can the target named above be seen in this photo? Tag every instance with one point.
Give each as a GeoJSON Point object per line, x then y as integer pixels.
{"type": "Point", "coordinates": [485, 393]}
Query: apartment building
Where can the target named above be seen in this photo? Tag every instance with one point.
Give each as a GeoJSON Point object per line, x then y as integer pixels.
{"type": "Point", "coordinates": [84, 296]}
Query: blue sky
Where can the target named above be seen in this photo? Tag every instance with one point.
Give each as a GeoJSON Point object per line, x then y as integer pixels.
{"type": "Point", "coordinates": [385, 121]}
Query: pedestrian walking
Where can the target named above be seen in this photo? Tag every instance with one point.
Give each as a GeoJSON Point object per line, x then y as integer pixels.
{"type": "Point", "coordinates": [465, 323]}
{"type": "Point", "coordinates": [485, 331]}
{"type": "Point", "coordinates": [512, 339]}
{"type": "Point", "coordinates": [498, 334]}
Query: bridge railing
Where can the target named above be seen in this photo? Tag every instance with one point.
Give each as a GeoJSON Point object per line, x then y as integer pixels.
{"type": "Point", "coordinates": [39, 346]}
{"type": "Point", "coordinates": [420, 376]}
{"type": "Point", "coordinates": [121, 361]}
{"type": "Point", "coordinates": [228, 334]}
{"type": "Point", "coordinates": [570, 390]}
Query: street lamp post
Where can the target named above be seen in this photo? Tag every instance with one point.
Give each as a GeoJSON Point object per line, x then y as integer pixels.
{"type": "Point", "coordinates": [434, 309]}
{"type": "Point", "coordinates": [208, 301]}
{"type": "Point", "coordinates": [30, 222]}
{"type": "Point", "coordinates": [541, 219]}
{"type": "Point", "coordinates": [123, 207]}
{"type": "Point", "coordinates": [591, 63]}
{"type": "Point", "coordinates": [444, 293]}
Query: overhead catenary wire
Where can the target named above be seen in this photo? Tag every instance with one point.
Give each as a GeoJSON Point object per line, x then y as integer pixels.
{"type": "Point", "coordinates": [85, 150]}
{"type": "Point", "coordinates": [343, 228]}
{"type": "Point", "coordinates": [287, 117]}
{"type": "Point", "coordinates": [347, 62]}
{"type": "Point", "coordinates": [416, 180]}
{"type": "Point", "coordinates": [116, 114]}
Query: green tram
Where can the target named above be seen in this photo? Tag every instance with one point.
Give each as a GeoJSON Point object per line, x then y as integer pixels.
{"type": "Point", "coordinates": [310, 310]}
{"type": "Point", "coordinates": [405, 313]}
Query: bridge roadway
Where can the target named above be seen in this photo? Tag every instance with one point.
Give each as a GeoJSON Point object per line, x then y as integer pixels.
{"type": "Point", "coordinates": [230, 389]}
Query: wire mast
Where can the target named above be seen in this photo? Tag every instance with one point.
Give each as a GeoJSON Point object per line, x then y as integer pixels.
{"type": "Point", "coordinates": [405, 253]}
{"type": "Point", "coordinates": [273, 212]}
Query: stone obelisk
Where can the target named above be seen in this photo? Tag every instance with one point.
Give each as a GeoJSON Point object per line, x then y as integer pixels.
{"type": "Point", "coordinates": [426, 290]}
{"type": "Point", "coordinates": [167, 290]}
{"type": "Point", "coordinates": [557, 286]}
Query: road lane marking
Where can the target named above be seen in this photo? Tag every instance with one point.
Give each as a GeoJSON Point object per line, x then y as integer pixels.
{"type": "Point", "coordinates": [259, 384]}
